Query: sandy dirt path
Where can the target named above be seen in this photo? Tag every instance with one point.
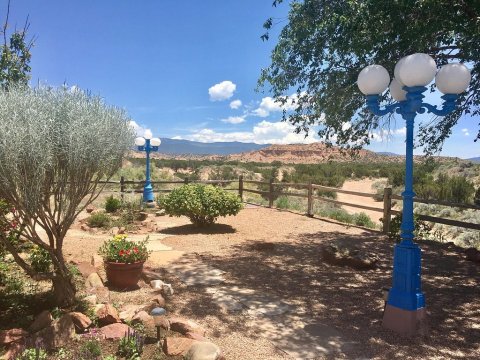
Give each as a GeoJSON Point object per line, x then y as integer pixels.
{"type": "Point", "coordinates": [365, 186]}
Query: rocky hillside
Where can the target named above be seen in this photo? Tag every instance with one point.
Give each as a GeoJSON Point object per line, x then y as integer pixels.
{"type": "Point", "coordinates": [316, 153]}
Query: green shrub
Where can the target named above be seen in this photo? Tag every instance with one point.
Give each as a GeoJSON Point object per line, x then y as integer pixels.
{"type": "Point", "coordinates": [202, 204]}
{"type": "Point", "coordinates": [40, 260]}
{"type": "Point", "coordinates": [282, 203]}
{"type": "Point", "coordinates": [90, 349]}
{"type": "Point", "coordinates": [363, 219]}
{"type": "Point", "coordinates": [99, 219]}
{"type": "Point", "coordinates": [112, 204]}
{"type": "Point", "coordinates": [422, 228]}
{"type": "Point", "coordinates": [33, 354]}
{"type": "Point", "coordinates": [131, 345]}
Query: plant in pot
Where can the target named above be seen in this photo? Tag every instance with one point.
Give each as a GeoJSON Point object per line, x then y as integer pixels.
{"type": "Point", "coordinates": [124, 260]}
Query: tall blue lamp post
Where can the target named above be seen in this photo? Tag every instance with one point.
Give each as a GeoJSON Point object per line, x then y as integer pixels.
{"type": "Point", "coordinates": [405, 310]}
{"type": "Point", "coordinates": [147, 144]}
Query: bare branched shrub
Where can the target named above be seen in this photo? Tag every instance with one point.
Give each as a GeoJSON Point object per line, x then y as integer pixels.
{"type": "Point", "coordinates": [55, 146]}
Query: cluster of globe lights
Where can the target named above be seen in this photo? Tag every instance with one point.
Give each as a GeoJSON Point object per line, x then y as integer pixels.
{"type": "Point", "coordinates": [413, 71]}
{"type": "Point", "coordinates": [140, 141]}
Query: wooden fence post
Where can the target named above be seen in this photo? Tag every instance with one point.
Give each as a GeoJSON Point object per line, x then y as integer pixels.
{"type": "Point", "coordinates": [185, 180]}
{"type": "Point", "coordinates": [387, 209]}
{"type": "Point", "coordinates": [270, 194]}
{"type": "Point", "coordinates": [122, 187]}
{"type": "Point", "coordinates": [310, 200]}
{"type": "Point", "coordinates": [240, 187]}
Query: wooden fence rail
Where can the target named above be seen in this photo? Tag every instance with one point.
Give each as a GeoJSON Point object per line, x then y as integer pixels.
{"type": "Point", "coordinates": [272, 189]}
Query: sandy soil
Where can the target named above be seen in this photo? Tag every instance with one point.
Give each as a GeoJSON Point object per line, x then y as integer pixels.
{"type": "Point", "coordinates": [345, 299]}
{"type": "Point", "coordinates": [365, 186]}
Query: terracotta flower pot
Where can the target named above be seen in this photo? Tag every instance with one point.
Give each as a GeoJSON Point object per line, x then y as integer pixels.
{"type": "Point", "coordinates": [123, 276]}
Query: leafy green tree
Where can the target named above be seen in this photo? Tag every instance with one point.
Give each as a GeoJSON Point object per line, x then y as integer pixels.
{"type": "Point", "coordinates": [327, 43]}
{"type": "Point", "coordinates": [55, 147]}
{"type": "Point", "coordinates": [14, 56]}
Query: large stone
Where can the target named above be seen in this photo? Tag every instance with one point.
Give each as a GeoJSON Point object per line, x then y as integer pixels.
{"type": "Point", "coordinates": [102, 294]}
{"type": "Point", "coordinates": [107, 314]}
{"type": "Point", "coordinates": [86, 269]}
{"type": "Point", "coordinates": [58, 334]}
{"type": "Point", "coordinates": [12, 335]}
{"type": "Point", "coordinates": [129, 311]}
{"type": "Point", "coordinates": [81, 321]}
{"type": "Point", "coordinates": [13, 351]}
{"type": "Point", "coordinates": [195, 336]}
{"type": "Point", "coordinates": [156, 284]}
{"type": "Point", "coordinates": [184, 326]}
{"type": "Point", "coordinates": [159, 300]}
{"type": "Point", "coordinates": [41, 321]}
{"type": "Point", "coordinates": [203, 351]}
{"type": "Point", "coordinates": [145, 319]}
{"type": "Point", "coordinates": [115, 331]}
{"type": "Point", "coordinates": [90, 209]}
{"type": "Point", "coordinates": [93, 281]}
{"type": "Point", "coordinates": [174, 346]}
{"type": "Point", "coordinates": [96, 261]}
{"type": "Point", "coordinates": [348, 255]}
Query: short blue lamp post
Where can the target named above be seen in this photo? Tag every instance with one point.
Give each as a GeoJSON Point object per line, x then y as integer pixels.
{"type": "Point", "coordinates": [147, 144]}
{"type": "Point", "coordinates": [405, 310]}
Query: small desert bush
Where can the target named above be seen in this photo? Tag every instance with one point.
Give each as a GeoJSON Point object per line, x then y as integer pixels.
{"type": "Point", "coordinates": [202, 204]}
{"type": "Point", "coordinates": [99, 220]}
{"type": "Point", "coordinates": [112, 204]}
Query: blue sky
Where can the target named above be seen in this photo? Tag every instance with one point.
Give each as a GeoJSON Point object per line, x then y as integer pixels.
{"type": "Point", "coordinates": [184, 69]}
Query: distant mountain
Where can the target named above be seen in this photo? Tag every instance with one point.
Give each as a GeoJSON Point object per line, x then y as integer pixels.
{"type": "Point", "coordinates": [475, 160]}
{"type": "Point", "coordinates": [186, 147]}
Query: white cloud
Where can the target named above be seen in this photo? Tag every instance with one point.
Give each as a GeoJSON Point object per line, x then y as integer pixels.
{"type": "Point", "coordinates": [264, 132]}
{"type": "Point", "coordinates": [235, 104]}
{"type": "Point", "coordinates": [465, 132]}
{"type": "Point", "coordinates": [139, 130]}
{"type": "Point", "coordinates": [222, 91]}
{"type": "Point", "coordinates": [269, 105]}
{"type": "Point", "coordinates": [234, 120]}
{"type": "Point", "coordinates": [385, 134]}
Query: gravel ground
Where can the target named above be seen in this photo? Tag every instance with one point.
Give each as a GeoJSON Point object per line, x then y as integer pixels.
{"type": "Point", "coordinates": [290, 267]}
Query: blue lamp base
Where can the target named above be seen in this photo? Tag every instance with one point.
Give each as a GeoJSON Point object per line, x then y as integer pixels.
{"type": "Point", "coordinates": [405, 311]}
{"type": "Point", "coordinates": [148, 193]}
{"type": "Point", "coordinates": [405, 322]}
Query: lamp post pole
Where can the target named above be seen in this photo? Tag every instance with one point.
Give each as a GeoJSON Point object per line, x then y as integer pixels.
{"type": "Point", "coordinates": [147, 144]}
{"type": "Point", "coordinates": [405, 310]}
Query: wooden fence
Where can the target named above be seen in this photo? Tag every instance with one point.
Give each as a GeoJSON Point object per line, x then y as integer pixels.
{"type": "Point", "coordinates": [275, 189]}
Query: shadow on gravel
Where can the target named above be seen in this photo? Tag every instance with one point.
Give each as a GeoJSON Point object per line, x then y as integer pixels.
{"type": "Point", "coordinates": [351, 300]}
{"type": "Point", "coordinates": [192, 229]}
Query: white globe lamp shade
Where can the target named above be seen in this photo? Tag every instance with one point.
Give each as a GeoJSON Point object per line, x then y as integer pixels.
{"type": "Point", "coordinates": [417, 70]}
{"type": "Point", "coordinates": [396, 71]}
{"type": "Point", "coordinates": [453, 78]}
{"type": "Point", "coordinates": [396, 90]}
{"type": "Point", "coordinates": [148, 134]}
{"type": "Point", "coordinates": [373, 80]}
{"type": "Point", "coordinates": [139, 141]}
{"type": "Point", "coordinates": [155, 142]}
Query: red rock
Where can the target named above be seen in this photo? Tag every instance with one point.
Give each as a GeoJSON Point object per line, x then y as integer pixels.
{"type": "Point", "coordinates": [93, 281]}
{"type": "Point", "coordinates": [86, 269]}
{"type": "Point", "coordinates": [58, 334]}
{"type": "Point", "coordinates": [107, 314]}
{"type": "Point", "coordinates": [472, 254]}
{"type": "Point", "coordinates": [174, 346]}
{"type": "Point", "coordinates": [81, 321]}
{"type": "Point", "coordinates": [114, 331]}
{"type": "Point", "coordinates": [12, 335]}
{"type": "Point", "coordinates": [195, 336]}
{"type": "Point", "coordinates": [41, 321]}
{"type": "Point", "coordinates": [90, 209]}
{"type": "Point", "coordinates": [159, 300]}
{"type": "Point", "coordinates": [13, 350]}
{"type": "Point", "coordinates": [97, 261]}
{"type": "Point", "coordinates": [184, 326]}
{"type": "Point", "coordinates": [102, 294]}
{"type": "Point", "coordinates": [143, 318]}
{"type": "Point", "coordinates": [149, 274]}
{"type": "Point", "coordinates": [84, 227]}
